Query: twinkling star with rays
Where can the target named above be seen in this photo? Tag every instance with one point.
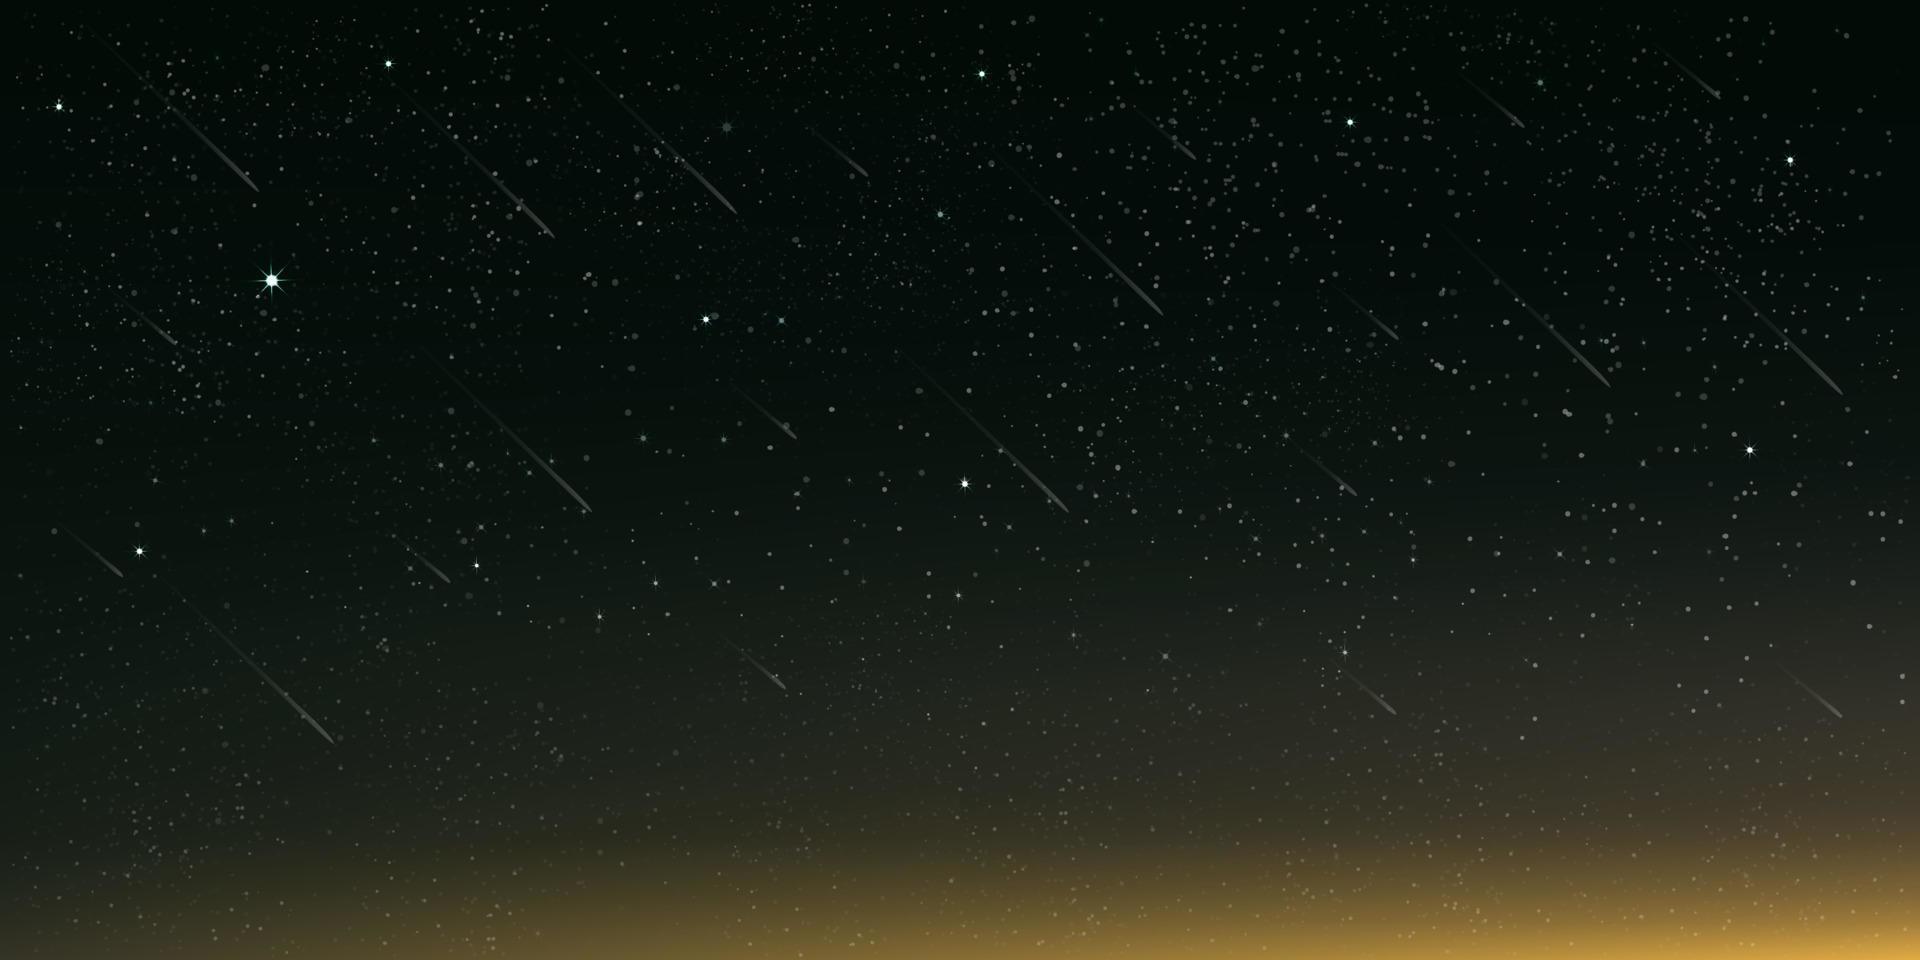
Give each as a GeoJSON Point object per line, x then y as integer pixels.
{"type": "Point", "coordinates": [271, 278]}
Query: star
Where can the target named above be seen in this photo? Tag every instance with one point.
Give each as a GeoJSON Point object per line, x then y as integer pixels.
{"type": "Point", "coordinates": [966, 484]}
{"type": "Point", "coordinates": [726, 127]}
{"type": "Point", "coordinates": [139, 551]}
{"type": "Point", "coordinates": [1789, 159]}
{"type": "Point", "coordinates": [1749, 449]}
{"type": "Point", "coordinates": [1349, 121]}
{"type": "Point", "coordinates": [982, 74]}
{"type": "Point", "coordinates": [387, 63]}
{"type": "Point", "coordinates": [271, 279]}
{"type": "Point", "coordinates": [58, 106]}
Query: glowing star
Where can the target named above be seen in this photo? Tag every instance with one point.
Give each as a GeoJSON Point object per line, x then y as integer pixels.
{"type": "Point", "coordinates": [387, 64]}
{"type": "Point", "coordinates": [271, 279]}
{"type": "Point", "coordinates": [982, 74]}
{"type": "Point", "coordinates": [58, 106]}
{"type": "Point", "coordinates": [139, 551]}
{"type": "Point", "coordinates": [1749, 449]}
{"type": "Point", "coordinates": [1789, 159]}
{"type": "Point", "coordinates": [966, 484]}
{"type": "Point", "coordinates": [1349, 121]}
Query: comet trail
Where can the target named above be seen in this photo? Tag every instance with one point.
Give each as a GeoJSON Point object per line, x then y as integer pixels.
{"type": "Point", "coordinates": [96, 554]}
{"type": "Point", "coordinates": [1683, 69]}
{"type": "Point", "coordinates": [1163, 132]}
{"type": "Point", "coordinates": [502, 424]}
{"type": "Point", "coordinates": [1102, 254]}
{"type": "Point", "coordinates": [782, 424]}
{"type": "Point", "coordinates": [662, 141]}
{"type": "Point", "coordinates": [1577, 355]}
{"type": "Point", "coordinates": [1369, 691]}
{"type": "Point", "coordinates": [1812, 692]}
{"type": "Point", "coordinates": [518, 204]}
{"type": "Point", "coordinates": [417, 556]}
{"type": "Point", "coordinates": [1376, 320]}
{"type": "Point", "coordinates": [222, 634]}
{"type": "Point", "coordinates": [156, 327]}
{"type": "Point", "coordinates": [1496, 103]}
{"type": "Point", "coordinates": [222, 154]}
{"type": "Point", "coordinates": [1323, 469]}
{"type": "Point", "coordinates": [989, 435]}
{"type": "Point", "coordinates": [1802, 354]}
{"type": "Point", "coordinates": [839, 152]}
{"type": "Point", "coordinates": [756, 664]}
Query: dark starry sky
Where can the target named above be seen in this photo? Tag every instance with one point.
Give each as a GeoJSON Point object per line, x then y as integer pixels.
{"type": "Point", "coordinates": [1594, 605]}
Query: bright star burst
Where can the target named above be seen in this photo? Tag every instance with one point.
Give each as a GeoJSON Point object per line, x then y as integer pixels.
{"type": "Point", "coordinates": [966, 484]}
{"type": "Point", "coordinates": [1749, 449]}
{"type": "Point", "coordinates": [271, 279]}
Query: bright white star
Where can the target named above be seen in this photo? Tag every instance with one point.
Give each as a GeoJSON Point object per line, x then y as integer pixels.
{"type": "Point", "coordinates": [139, 551]}
{"type": "Point", "coordinates": [1749, 449]}
{"type": "Point", "coordinates": [981, 74]}
{"type": "Point", "coordinates": [966, 484]}
{"type": "Point", "coordinates": [387, 63]}
{"type": "Point", "coordinates": [1349, 121]}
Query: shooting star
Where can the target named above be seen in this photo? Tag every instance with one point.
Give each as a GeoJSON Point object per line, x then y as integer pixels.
{"type": "Point", "coordinates": [782, 424]}
{"type": "Point", "coordinates": [1376, 320]}
{"type": "Point", "coordinates": [838, 152]}
{"type": "Point", "coordinates": [1369, 691]}
{"type": "Point", "coordinates": [156, 327]}
{"type": "Point", "coordinates": [1812, 692]}
{"type": "Point", "coordinates": [1323, 469]}
{"type": "Point", "coordinates": [1490, 99]}
{"type": "Point", "coordinates": [222, 634]}
{"type": "Point", "coordinates": [1084, 239]}
{"type": "Point", "coordinates": [416, 555]}
{"type": "Point", "coordinates": [502, 424]}
{"type": "Point", "coordinates": [96, 554]}
{"type": "Point", "coordinates": [756, 664]}
{"type": "Point", "coordinates": [1683, 69]}
{"type": "Point", "coordinates": [989, 435]}
{"type": "Point", "coordinates": [222, 154]}
{"type": "Point", "coordinates": [518, 204]}
{"type": "Point", "coordinates": [1163, 132]}
{"type": "Point", "coordinates": [1577, 355]}
{"type": "Point", "coordinates": [662, 141]}
{"type": "Point", "coordinates": [1802, 354]}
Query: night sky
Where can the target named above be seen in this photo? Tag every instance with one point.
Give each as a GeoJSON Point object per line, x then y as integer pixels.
{"type": "Point", "coordinates": [762, 482]}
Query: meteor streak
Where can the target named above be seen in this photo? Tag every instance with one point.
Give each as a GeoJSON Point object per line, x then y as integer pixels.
{"type": "Point", "coordinates": [222, 634]}
{"type": "Point", "coordinates": [662, 141]}
{"type": "Point", "coordinates": [1577, 355]}
{"type": "Point", "coordinates": [222, 154]}
{"type": "Point", "coordinates": [1163, 132]}
{"type": "Point", "coordinates": [502, 424]}
{"type": "Point", "coordinates": [96, 554]}
{"type": "Point", "coordinates": [839, 152]}
{"type": "Point", "coordinates": [1496, 103]}
{"type": "Point", "coordinates": [518, 204]}
{"type": "Point", "coordinates": [1102, 254]}
{"type": "Point", "coordinates": [1812, 692]}
{"type": "Point", "coordinates": [990, 437]}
